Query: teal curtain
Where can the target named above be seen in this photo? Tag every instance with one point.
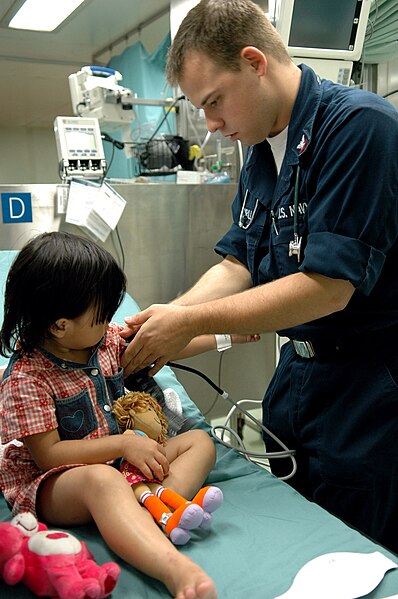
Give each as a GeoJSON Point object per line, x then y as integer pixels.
{"type": "Point", "coordinates": [381, 43]}
{"type": "Point", "coordinates": [144, 73]}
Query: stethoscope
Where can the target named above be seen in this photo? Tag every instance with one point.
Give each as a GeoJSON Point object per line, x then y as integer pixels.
{"type": "Point", "coordinates": [284, 452]}
{"type": "Point", "coordinates": [246, 218]}
{"type": "Point", "coordinates": [295, 244]}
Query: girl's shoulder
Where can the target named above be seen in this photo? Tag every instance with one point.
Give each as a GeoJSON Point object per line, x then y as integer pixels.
{"type": "Point", "coordinates": [113, 340]}
{"type": "Point", "coordinates": [113, 332]}
{"type": "Point", "coordinates": [111, 349]}
{"type": "Point", "coordinates": [24, 365]}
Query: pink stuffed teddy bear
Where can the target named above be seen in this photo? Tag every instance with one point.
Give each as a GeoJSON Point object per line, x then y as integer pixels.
{"type": "Point", "coordinates": [52, 563]}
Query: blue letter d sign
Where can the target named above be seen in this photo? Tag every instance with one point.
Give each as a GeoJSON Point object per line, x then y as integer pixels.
{"type": "Point", "coordinates": [16, 207]}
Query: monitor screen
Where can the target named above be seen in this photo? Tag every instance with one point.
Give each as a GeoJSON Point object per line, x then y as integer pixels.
{"type": "Point", "coordinates": [77, 139]}
{"type": "Point", "coordinates": [323, 28]}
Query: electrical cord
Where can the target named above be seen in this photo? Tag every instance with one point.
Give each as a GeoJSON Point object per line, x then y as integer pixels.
{"type": "Point", "coordinates": [122, 256]}
{"type": "Point", "coordinates": [169, 109]}
{"type": "Point", "coordinates": [249, 455]}
{"type": "Point", "coordinates": [395, 91]}
{"type": "Point", "coordinates": [209, 410]}
{"type": "Point", "coordinates": [116, 144]}
{"type": "Point", "coordinates": [285, 453]}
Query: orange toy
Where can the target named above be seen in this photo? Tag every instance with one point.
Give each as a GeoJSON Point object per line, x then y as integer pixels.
{"type": "Point", "coordinates": [139, 413]}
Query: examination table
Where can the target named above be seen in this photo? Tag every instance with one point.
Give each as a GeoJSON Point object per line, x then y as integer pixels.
{"type": "Point", "coordinates": [260, 537]}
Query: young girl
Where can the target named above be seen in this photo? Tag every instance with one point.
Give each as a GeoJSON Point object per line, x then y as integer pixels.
{"type": "Point", "coordinates": [56, 400]}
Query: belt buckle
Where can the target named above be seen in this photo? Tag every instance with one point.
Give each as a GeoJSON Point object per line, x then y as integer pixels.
{"type": "Point", "coordinates": [304, 349]}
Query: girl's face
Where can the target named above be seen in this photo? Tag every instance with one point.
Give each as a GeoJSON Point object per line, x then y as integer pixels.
{"type": "Point", "coordinates": [83, 333]}
{"type": "Point", "coordinates": [68, 337]}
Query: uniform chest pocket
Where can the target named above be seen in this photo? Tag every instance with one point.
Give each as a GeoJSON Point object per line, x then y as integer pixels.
{"type": "Point", "coordinates": [76, 417]}
{"type": "Point", "coordinates": [256, 239]}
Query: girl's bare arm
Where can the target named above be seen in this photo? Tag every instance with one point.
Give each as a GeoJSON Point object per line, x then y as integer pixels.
{"type": "Point", "coordinates": [48, 451]}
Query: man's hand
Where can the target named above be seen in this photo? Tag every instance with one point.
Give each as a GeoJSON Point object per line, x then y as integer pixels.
{"type": "Point", "coordinates": [160, 332]}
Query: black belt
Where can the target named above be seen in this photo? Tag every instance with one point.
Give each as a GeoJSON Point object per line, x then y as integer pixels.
{"type": "Point", "coordinates": [365, 342]}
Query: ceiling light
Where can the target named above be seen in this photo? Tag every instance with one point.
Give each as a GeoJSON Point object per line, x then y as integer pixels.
{"type": "Point", "coordinates": [43, 15]}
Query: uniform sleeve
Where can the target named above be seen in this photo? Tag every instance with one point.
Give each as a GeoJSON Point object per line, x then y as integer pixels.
{"type": "Point", "coordinates": [26, 408]}
{"type": "Point", "coordinates": [353, 192]}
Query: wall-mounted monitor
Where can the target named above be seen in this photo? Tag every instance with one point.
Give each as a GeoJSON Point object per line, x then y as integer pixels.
{"type": "Point", "coordinates": [323, 29]}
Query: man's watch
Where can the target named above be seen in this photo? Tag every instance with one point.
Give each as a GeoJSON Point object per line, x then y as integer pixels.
{"type": "Point", "coordinates": [223, 342]}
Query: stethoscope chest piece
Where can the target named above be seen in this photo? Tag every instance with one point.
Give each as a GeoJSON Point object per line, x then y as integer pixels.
{"type": "Point", "coordinates": [295, 247]}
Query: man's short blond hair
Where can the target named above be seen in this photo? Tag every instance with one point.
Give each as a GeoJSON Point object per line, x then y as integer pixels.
{"type": "Point", "coordinates": [220, 29]}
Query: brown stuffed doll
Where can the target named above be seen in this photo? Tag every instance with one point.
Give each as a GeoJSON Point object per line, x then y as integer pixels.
{"type": "Point", "coordinates": [139, 413]}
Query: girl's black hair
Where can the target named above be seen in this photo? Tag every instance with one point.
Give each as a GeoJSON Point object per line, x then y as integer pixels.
{"type": "Point", "coordinates": [57, 275]}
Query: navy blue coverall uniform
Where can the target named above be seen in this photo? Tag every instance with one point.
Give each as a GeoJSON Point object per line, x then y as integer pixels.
{"type": "Point", "coordinates": [339, 408]}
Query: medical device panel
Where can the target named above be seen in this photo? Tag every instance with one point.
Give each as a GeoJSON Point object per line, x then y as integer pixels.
{"type": "Point", "coordinates": [324, 29]}
{"type": "Point", "coordinates": [79, 146]}
{"type": "Point", "coordinates": [329, 36]}
{"type": "Point", "coordinates": [96, 92]}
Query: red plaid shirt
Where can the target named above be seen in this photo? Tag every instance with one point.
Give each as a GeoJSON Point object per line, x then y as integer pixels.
{"type": "Point", "coordinates": [43, 392]}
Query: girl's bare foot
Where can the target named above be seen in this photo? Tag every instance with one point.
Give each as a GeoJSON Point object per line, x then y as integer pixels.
{"type": "Point", "coordinates": [186, 580]}
{"type": "Point", "coordinates": [201, 589]}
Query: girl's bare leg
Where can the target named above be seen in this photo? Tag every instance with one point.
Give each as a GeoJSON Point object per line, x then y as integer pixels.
{"type": "Point", "coordinates": [191, 456]}
{"type": "Point", "coordinates": [100, 493]}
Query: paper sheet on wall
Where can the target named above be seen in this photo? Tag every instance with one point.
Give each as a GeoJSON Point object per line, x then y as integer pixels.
{"type": "Point", "coordinates": [81, 199]}
{"type": "Point", "coordinates": [95, 208]}
{"type": "Point", "coordinates": [344, 575]}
